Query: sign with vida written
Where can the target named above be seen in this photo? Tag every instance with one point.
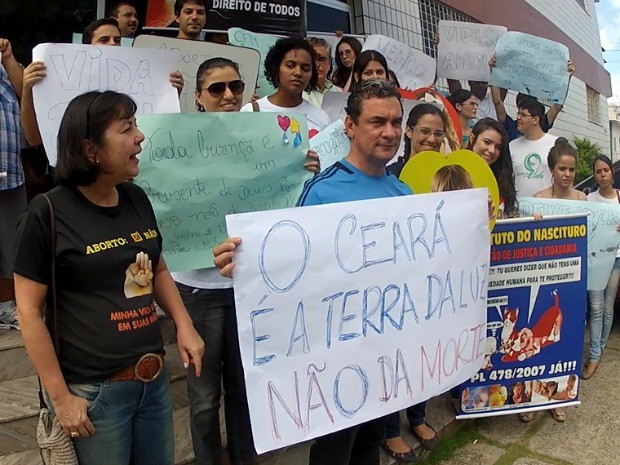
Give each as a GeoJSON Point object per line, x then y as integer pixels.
{"type": "Point", "coordinates": [74, 69]}
{"type": "Point", "coordinates": [350, 311]}
{"type": "Point", "coordinates": [197, 168]}
{"type": "Point", "coordinates": [535, 321]}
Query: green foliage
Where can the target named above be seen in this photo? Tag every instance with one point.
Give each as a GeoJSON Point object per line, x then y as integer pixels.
{"type": "Point", "coordinates": [587, 152]}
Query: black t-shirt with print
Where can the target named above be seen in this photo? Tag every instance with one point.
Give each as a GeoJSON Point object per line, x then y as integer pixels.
{"type": "Point", "coordinates": [106, 318]}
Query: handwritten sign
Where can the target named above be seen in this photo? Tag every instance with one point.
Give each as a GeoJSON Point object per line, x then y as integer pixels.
{"type": "Point", "coordinates": [603, 237]}
{"type": "Point", "coordinates": [260, 42]}
{"type": "Point", "coordinates": [196, 168]}
{"type": "Point", "coordinates": [331, 144]}
{"type": "Point", "coordinates": [531, 65]}
{"type": "Point", "coordinates": [75, 69]}
{"type": "Point", "coordinates": [350, 311]}
{"type": "Point", "coordinates": [465, 49]}
{"type": "Point", "coordinates": [412, 67]}
{"type": "Point", "coordinates": [194, 53]}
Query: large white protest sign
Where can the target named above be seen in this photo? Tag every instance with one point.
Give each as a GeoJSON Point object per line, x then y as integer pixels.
{"type": "Point", "coordinates": [350, 311]}
{"type": "Point", "coordinates": [531, 65]}
{"type": "Point", "coordinates": [194, 52]}
{"type": "Point", "coordinates": [465, 49]}
{"type": "Point", "coordinates": [412, 67]}
{"type": "Point", "coordinates": [603, 237]}
{"type": "Point", "coordinates": [76, 69]}
{"type": "Point", "coordinates": [331, 144]}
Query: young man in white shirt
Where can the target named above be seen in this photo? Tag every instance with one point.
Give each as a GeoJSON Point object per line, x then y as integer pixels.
{"type": "Point", "coordinates": [529, 152]}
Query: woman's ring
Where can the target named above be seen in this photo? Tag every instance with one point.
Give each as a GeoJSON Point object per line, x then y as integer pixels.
{"type": "Point", "coordinates": [74, 434]}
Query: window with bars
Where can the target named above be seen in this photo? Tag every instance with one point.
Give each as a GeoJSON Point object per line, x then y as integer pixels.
{"type": "Point", "coordinates": [430, 13]}
{"type": "Point", "coordinates": [594, 105]}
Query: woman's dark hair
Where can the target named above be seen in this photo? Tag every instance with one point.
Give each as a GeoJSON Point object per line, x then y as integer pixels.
{"type": "Point", "coordinates": [87, 117]}
{"type": "Point", "coordinates": [392, 78]}
{"type": "Point", "coordinates": [605, 159]}
{"type": "Point", "coordinates": [561, 147]}
{"type": "Point", "coordinates": [89, 31]}
{"type": "Point", "coordinates": [415, 114]}
{"type": "Point", "coordinates": [209, 65]}
{"type": "Point", "coordinates": [276, 55]}
{"type": "Point", "coordinates": [502, 168]}
{"type": "Point", "coordinates": [361, 62]}
{"type": "Point", "coordinates": [342, 73]}
{"type": "Point", "coordinates": [459, 97]}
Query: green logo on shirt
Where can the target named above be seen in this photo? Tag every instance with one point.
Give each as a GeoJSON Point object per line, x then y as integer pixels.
{"type": "Point", "coordinates": [533, 166]}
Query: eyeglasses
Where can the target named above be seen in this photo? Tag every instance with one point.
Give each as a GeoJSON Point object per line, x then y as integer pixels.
{"type": "Point", "coordinates": [322, 59]}
{"type": "Point", "coordinates": [427, 132]}
{"type": "Point", "coordinates": [473, 104]}
{"type": "Point", "coordinates": [523, 115]}
{"type": "Point", "coordinates": [218, 89]}
{"type": "Point", "coordinates": [345, 53]}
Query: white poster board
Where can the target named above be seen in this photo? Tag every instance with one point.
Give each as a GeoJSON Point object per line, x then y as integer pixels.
{"type": "Point", "coordinates": [76, 69]}
{"type": "Point", "coordinates": [465, 49]}
{"type": "Point", "coordinates": [331, 144]}
{"type": "Point", "coordinates": [412, 67]}
{"type": "Point", "coordinates": [350, 311]}
{"type": "Point", "coordinates": [193, 53]}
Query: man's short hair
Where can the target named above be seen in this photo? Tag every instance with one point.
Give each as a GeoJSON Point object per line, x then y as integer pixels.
{"type": "Point", "coordinates": [373, 88]}
{"type": "Point", "coordinates": [113, 11]}
{"type": "Point", "coordinates": [89, 32]}
{"type": "Point", "coordinates": [319, 42]}
{"type": "Point", "coordinates": [532, 105]}
{"type": "Point", "coordinates": [179, 4]}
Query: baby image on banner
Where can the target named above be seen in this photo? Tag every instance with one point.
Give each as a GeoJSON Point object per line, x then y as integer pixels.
{"type": "Point", "coordinates": [532, 66]}
{"type": "Point", "coordinates": [535, 318]}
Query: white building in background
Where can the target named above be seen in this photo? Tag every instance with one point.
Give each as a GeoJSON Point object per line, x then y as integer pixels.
{"type": "Point", "coordinates": [614, 130]}
{"type": "Point", "coordinates": [571, 22]}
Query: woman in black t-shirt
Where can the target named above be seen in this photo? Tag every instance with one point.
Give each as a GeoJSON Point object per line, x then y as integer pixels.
{"type": "Point", "coordinates": [108, 385]}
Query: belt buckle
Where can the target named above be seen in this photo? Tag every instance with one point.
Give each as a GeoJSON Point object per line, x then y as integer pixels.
{"type": "Point", "coordinates": [144, 358]}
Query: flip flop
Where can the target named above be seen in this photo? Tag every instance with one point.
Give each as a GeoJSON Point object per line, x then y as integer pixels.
{"type": "Point", "coordinates": [558, 414]}
{"type": "Point", "coordinates": [403, 457]}
{"type": "Point", "coordinates": [526, 417]}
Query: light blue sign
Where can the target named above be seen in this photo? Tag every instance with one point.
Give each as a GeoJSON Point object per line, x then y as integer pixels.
{"type": "Point", "coordinates": [531, 65]}
{"type": "Point", "coordinates": [603, 236]}
{"type": "Point", "coordinates": [331, 144]}
{"type": "Point", "coordinates": [260, 42]}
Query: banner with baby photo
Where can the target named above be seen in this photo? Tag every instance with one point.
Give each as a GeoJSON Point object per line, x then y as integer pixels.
{"type": "Point", "coordinates": [535, 325]}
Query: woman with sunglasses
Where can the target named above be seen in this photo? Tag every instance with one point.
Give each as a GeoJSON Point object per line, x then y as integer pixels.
{"type": "Point", "coordinates": [347, 51]}
{"type": "Point", "coordinates": [466, 105]}
{"type": "Point", "coordinates": [210, 302]}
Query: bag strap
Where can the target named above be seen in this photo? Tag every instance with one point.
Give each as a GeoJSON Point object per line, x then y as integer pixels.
{"type": "Point", "coordinates": [54, 313]}
{"type": "Point", "coordinates": [255, 106]}
{"type": "Point", "coordinates": [618, 195]}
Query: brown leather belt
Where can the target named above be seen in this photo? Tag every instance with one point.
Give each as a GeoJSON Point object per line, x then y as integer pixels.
{"type": "Point", "coordinates": [146, 369]}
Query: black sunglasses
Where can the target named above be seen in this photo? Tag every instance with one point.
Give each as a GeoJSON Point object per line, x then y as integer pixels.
{"type": "Point", "coordinates": [217, 89]}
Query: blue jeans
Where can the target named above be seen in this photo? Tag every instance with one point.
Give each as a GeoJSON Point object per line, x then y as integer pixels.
{"type": "Point", "coordinates": [415, 415]}
{"type": "Point", "coordinates": [602, 313]}
{"type": "Point", "coordinates": [214, 317]}
{"type": "Point", "coordinates": [133, 422]}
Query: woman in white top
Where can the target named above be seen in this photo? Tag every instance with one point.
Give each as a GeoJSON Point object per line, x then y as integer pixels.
{"type": "Point", "coordinates": [562, 161]}
{"type": "Point", "coordinates": [602, 302]}
{"type": "Point", "coordinates": [290, 67]}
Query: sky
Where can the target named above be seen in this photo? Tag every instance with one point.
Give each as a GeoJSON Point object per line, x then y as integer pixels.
{"type": "Point", "coordinates": [608, 13]}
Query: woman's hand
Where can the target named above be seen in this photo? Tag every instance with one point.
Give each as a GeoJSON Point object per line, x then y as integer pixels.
{"type": "Point", "coordinates": [177, 81]}
{"type": "Point", "coordinates": [314, 165]}
{"type": "Point", "coordinates": [537, 216]}
{"type": "Point", "coordinates": [223, 255]}
{"type": "Point", "coordinates": [191, 347]}
{"type": "Point", "coordinates": [72, 416]}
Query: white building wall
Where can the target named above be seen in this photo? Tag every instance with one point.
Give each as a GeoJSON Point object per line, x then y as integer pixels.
{"type": "Point", "coordinates": [579, 24]}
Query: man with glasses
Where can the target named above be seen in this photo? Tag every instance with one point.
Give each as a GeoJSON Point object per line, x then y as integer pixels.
{"type": "Point", "coordinates": [529, 152]}
{"type": "Point", "coordinates": [323, 66]}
